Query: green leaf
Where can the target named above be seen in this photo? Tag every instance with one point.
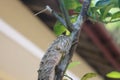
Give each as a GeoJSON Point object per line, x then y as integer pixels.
{"type": "Point", "coordinates": [78, 9]}
{"type": "Point", "coordinates": [71, 4]}
{"type": "Point", "coordinates": [106, 11]}
{"type": "Point", "coordinates": [60, 29]}
{"type": "Point", "coordinates": [103, 3]}
{"type": "Point", "coordinates": [67, 32]}
{"type": "Point", "coordinates": [92, 11]}
{"type": "Point", "coordinates": [102, 11]}
{"type": "Point", "coordinates": [88, 75]}
{"type": "Point", "coordinates": [114, 74]}
{"type": "Point", "coordinates": [116, 3]}
{"type": "Point", "coordinates": [109, 14]}
{"type": "Point", "coordinates": [73, 64]}
{"type": "Point", "coordinates": [73, 18]}
{"type": "Point", "coordinates": [116, 15]}
{"type": "Point", "coordinates": [119, 3]}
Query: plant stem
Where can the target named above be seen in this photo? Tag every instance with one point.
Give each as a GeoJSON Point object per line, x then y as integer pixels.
{"type": "Point", "coordinates": [65, 15]}
{"type": "Point", "coordinates": [59, 18]}
{"type": "Point", "coordinates": [83, 14]}
{"type": "Point", "coordinates": [111, 21]}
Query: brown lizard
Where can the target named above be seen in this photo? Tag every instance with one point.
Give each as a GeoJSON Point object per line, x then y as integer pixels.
{"type": "Point", "coordinates": [58, 48]}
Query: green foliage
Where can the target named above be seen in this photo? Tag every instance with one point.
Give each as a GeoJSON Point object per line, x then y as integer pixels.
{"type": "Point", "coordinates": [73, 18]}
{"type": "Point", "coordinates": [88, 75]}
{"type": "Point", "coordinates": [119, 3]}
{"type": "Point", "coordinates": [115, 15]}
{"type": "Point", "coordinates": [100, 10]}
{"type": "Point", "coordinates": [73, 64]}
{"type": "Point", "coordinates": [60, 29]}
{"type": "Point", "coordinates": [106, 11]}
{"type": "Point", "coordinates": [114, 74]}
{"type": "Point", "coordinates": [102, 3]}
{"type": "Point", "coordinates": [72, 4]}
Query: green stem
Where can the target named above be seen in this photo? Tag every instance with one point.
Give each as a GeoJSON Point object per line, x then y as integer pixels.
{"type": "Point", "coordinates": [65, 15]}
{"type": "Point", "coordinates": [111, 21]}
{"type": "Point", "coordinates": [59, 18]}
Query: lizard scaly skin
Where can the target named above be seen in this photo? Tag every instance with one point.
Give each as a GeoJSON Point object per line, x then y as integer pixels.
{"type": "Point", "coordinates": [58, 48]}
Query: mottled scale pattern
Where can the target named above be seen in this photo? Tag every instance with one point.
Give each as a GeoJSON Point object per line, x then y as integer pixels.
{"type": "Point", "coordinates": [57, 49]}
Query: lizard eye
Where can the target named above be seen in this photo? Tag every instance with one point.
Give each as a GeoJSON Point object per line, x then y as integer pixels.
{"type": "Point", "coordinates": [42, 62]}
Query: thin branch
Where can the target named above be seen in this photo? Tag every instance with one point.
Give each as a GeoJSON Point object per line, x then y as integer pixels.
{"type": "Point", "coordinates": [65, 15]}
{"type": "Point", "coordinates": [68, 77]}
{"type": "Point", "coordinates": [62, 66]}
{"type": "Point", "coordinates": [59, 18]}
{"type": "Point", "coordinates": [84, 9]}
{"type": "Point", "coordinates": [111, 21]}
{"type": "Point", "coordinates": [41, 11]}
{"type": "Point", "coordinates": [83, 14]}
{"type": "Point", "coordinates": [47, 8]}
{"type": "Point", "coordinates": [106, 22]}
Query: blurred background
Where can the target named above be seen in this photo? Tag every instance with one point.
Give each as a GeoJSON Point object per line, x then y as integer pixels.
{"type": "Point", "coordinates": [24, 38]}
